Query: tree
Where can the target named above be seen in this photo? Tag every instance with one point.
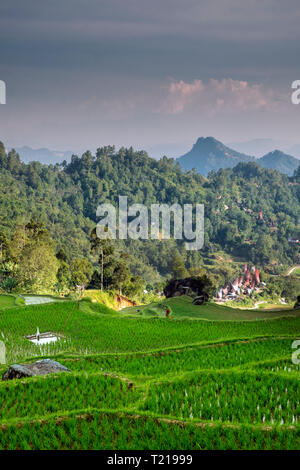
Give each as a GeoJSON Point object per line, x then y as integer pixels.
{"type": "Point", "coordinates": [105, 249]}
{"type": "Point", "coordinates": [2, 154]}
{"type": "Point", "coordinates": [291, 288]}
{"type": "Point", "coordinates": [9, 284]}
{"type": "Point", "coordinates": [63, 277]}
{"type": "Point", "coordinates": [38, 267]}
{"type": "Point", "coordinates": [13, 161]}
{"type": "Point", "coordinates": [81, 272]}
{"type": "Point", "coordinates": [209, 285]}
{"type": "Point", "coordinates": [121, 275]}
{"type": "Point", "coordinates": [61, 255]}
{"type": "Point", "coordinates": [135, 287]}
{"type": "Point", "coordinates": [5, 252]}
{"type": "Point", "coordinates": [197, 271]}
{"type": "Point", "coordinates": [263, 250]}
{"type": "Point", "coordinates": [34, 231]}
{"type": "Point", "coordinates": [8, 275]}
{"type": "Point", "coordinates": [18, 242]}
{"type": "Point", "coordinates": [178, 268]}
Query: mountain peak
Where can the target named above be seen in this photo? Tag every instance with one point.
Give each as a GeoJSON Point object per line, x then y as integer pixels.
{"type": "Point", "coordinates": [209, 139]}
{"type": "Point", "coordinates": [280, 161]}
{"type": "Point", "coordinates": [209, 154]}
{"type": "Point", "coordinates": [276, 152]}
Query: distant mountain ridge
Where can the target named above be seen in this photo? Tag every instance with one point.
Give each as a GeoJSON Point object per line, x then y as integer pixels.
{"type": "Point", "coordinates": [43, 155]}
{"type": "Point", "coordinates": [209, 154]}
{"type": "Point", "coordinates": [256, 147]}
{"type": "Point", "coordinates": [280, 161]}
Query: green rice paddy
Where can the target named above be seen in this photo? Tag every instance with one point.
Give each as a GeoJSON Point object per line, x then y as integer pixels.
{"type": "Point", "coordinates": [207, 377]}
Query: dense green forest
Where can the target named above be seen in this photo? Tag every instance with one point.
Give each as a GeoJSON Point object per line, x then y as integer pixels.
{"type": "Point", "coordinates": [250, 212]}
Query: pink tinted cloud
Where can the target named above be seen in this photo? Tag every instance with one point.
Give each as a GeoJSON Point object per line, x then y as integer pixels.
{"type": "Point", "coordinates": [226, 95]}
{"type": "Point", "coordinates": [182, 93]}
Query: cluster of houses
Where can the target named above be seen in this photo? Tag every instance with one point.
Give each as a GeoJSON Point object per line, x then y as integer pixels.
{"type": "Point", "coordinates": [245, 284]}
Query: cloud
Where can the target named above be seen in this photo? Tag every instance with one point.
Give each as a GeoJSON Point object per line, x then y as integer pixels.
{"type": "Point", "coordinates": [181, 94]}
{"type": "Point", "coordinates": [215, 96]}
{"type": "Point", "coordinates": [85, 73]}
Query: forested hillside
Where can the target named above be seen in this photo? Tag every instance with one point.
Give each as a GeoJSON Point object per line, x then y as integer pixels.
{"type": "Point", "coordinates": [250, 212]}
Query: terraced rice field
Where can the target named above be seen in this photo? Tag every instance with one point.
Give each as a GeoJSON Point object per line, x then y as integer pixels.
{"type": "Point", "coordinates": [144, 382]}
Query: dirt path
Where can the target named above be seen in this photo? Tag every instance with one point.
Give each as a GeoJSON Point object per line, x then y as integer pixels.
{"type": "Point", "coordinates": [292, 269]}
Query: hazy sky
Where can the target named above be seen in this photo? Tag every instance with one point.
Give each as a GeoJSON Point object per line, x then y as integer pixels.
{"type": "Point", "coordinates": [148, 73]}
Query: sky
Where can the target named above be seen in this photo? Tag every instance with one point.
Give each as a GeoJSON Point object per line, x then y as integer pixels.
{"type": "Point", "coordinates": [155, 74]}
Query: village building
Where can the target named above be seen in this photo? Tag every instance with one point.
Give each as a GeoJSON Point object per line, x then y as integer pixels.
{"type": "Point", "coordinates": [245, 284]}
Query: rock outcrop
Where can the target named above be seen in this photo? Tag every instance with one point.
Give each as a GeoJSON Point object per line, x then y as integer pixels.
{"type": "Point", "coordinates": [201, 299]}
{"type": "Point", "coordinates": [297, 304]}
{"type": "Point", "coordinates": [42, 367]}
{"type": "Point", "coordinates": [188, 286]}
